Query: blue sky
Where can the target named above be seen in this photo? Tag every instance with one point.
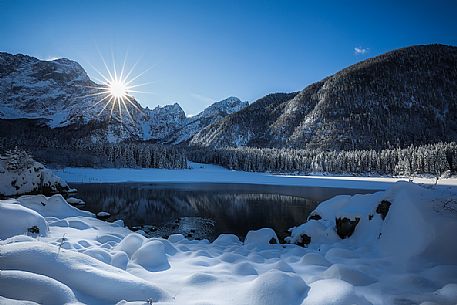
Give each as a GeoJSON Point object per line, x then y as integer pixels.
{"type": "Point", "coordinates": [199, 52]}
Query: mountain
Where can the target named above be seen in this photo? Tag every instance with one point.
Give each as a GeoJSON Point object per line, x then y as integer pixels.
{"type": "Point", "coordinates": [58, 94]}
{"type": "Point", "coordinates": [407, 96]}
{"type": "Point", "coordinates": [210, 115]}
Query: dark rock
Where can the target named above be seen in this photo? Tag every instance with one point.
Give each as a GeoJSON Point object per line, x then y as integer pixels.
{"type": "Point", "coordinates": [383, 208]}
{"type": "Point", "coordinates": [315, 217]}
{"type": "Point", "coordinates": [370, 217]}
{"type": "Point", "coordinates": [34, 230]}
{"type": "Point", "coordinates": [304, 240]}
{"type": "Point", "coordinates": [345, 226]}
{"type": "Point", "coordinates": [272, 241]}
{"type": "Point", "coordinates": [103, 215]}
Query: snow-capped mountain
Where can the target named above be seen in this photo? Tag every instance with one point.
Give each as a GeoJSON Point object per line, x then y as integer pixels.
{"type": "Point", "coordinates": [170, 125]}
{"type": "Point", "coordinates": [210, 115]}
{"type": "Point", "coordinates": [407, 96]}
{"type": "Point", "coordinates": [60, 94]}
{"type": "Point", "coordinates": [54, 91]}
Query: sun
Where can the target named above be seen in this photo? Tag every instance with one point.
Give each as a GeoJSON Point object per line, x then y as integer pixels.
{"type": "Point", "coordinates": [117, 88]}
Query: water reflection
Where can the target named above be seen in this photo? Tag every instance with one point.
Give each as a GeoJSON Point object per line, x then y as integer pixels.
{"type": "Point", "coordinates": [232, 208]}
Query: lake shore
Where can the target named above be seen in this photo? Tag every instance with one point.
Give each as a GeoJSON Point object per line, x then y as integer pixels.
{"type": "Point", "coordinates": [208, 173]}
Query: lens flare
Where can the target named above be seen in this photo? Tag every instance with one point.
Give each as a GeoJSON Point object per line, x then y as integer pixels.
{"type": "Point", "coordinates": [115, 90]}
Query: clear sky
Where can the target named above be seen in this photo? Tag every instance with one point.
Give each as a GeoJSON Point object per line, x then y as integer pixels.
{"type": "Point", "coordinates": [203, 51]}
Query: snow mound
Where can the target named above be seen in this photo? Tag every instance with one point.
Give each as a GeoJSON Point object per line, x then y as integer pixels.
{"type": "Point", "coordinates": [416, 223]}
{"type": "Point", "coordinates": [16, 219]}
{"type": "Point", "coordinates": [333, 292]}
{"type": "Point", "coordinates": [79, 271]}
{"type": "Point", "coordinates": [75, 201]}
{"type": "Point", "coordinates": [131, 243]}
{"type": "Point", "coordinates": [151, 256]}
{"type": "Point", "coordinates": [120, 260]}
{"type": "Point", "coordinates": [226, 240]}
{"type": "Point", "coordinates": [275, 287]}
{"type": "Point", "coordinates": [261, 238]}
{"type": "Point", "coordinates": [39, 288]}
{"type": "Point", "coordinates": [244, 268]}
{"type": "Point", "coordinates": [54, 206]}
{"type": "Point", "coordinates": [201, 279]}
{"type": "Point", "coordinates": [314, 259]}
{"type": "Point", "coordinates": [348, 274]}
{"type": "Point", "coordinates": [6, 301]}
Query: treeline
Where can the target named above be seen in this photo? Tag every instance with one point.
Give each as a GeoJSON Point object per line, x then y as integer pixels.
{"type": "Point", "coordinates": [426, 159]}
{"type": "Point", "coordinates": [80, 153]}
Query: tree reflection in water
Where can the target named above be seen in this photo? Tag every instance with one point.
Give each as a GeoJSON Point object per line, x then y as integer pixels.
{"type": "Point", "coordinates": [183, 208]}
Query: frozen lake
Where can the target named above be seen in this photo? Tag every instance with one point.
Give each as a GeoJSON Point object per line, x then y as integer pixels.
{"type": "Point", "coordinates": [205, 210]}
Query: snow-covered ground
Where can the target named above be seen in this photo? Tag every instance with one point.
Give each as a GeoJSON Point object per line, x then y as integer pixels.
{"type": "Point", "coordinates": [409, 257]}
{"type": "Point", "coordinates": [215, 174]}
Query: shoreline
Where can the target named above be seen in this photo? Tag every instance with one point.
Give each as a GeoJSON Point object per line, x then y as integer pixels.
{"type": "Point", "coordinates": [208, 173]}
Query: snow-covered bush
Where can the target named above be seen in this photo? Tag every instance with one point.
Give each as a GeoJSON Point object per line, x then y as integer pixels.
{"type": "Point", "coordinates": [20, 174]}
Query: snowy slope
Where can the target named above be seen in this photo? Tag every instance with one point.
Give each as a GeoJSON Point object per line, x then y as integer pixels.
{"type": "Point", "coordinates": [77, 258]}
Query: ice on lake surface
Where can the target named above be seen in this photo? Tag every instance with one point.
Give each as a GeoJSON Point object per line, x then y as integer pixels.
{"type": "Point", "coordinates": [205, 210]}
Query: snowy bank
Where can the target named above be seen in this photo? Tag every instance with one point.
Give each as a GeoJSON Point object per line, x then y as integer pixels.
{"type": "Point", "coordinates": [402, 253]}
{"type": "Point", "coordinates": [215, 174]}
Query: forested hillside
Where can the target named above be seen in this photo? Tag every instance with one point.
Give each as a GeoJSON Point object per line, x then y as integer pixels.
{"type": "Point", "coordinates": [435, 159]}
{"type": "Point", "coordinates": [407, 96]}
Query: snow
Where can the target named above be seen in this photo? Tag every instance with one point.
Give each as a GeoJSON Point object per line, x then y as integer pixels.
{"type": "Point", "coordinates": [26, 176]}
{"type": "Point", "coordinates": [75, 201]}
{"type": "Point", "coordinates": [200, 172]}
{"type": "Point", "coordinates": [103, 214]}
{"type": "Point", "coordinates": [151, 256]}
{"type": "Point", "coordinates": [409, 257]}
{"type": "Point", "coordinates": [16, 219]}
{"type": "Point", "coordinates": [40, 288]}
{"type": "Point", "coordinates": [261, 238]}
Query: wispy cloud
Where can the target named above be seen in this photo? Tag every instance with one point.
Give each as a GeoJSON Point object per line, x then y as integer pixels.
{"type": "Point", "coordinates": [360, 51]}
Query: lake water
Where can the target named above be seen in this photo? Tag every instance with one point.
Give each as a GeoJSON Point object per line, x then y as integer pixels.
{"type": "Point", "coordinates": [205, 210]}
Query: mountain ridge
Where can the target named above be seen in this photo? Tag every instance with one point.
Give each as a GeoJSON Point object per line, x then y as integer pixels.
{"type": "Point", "coordinates": [60, 94]}
{"type": "Point", "coordinates": [406, 96]}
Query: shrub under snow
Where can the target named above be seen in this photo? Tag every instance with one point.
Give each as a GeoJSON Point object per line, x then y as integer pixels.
{"type": "Point", "coordinates": [20, 174]}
